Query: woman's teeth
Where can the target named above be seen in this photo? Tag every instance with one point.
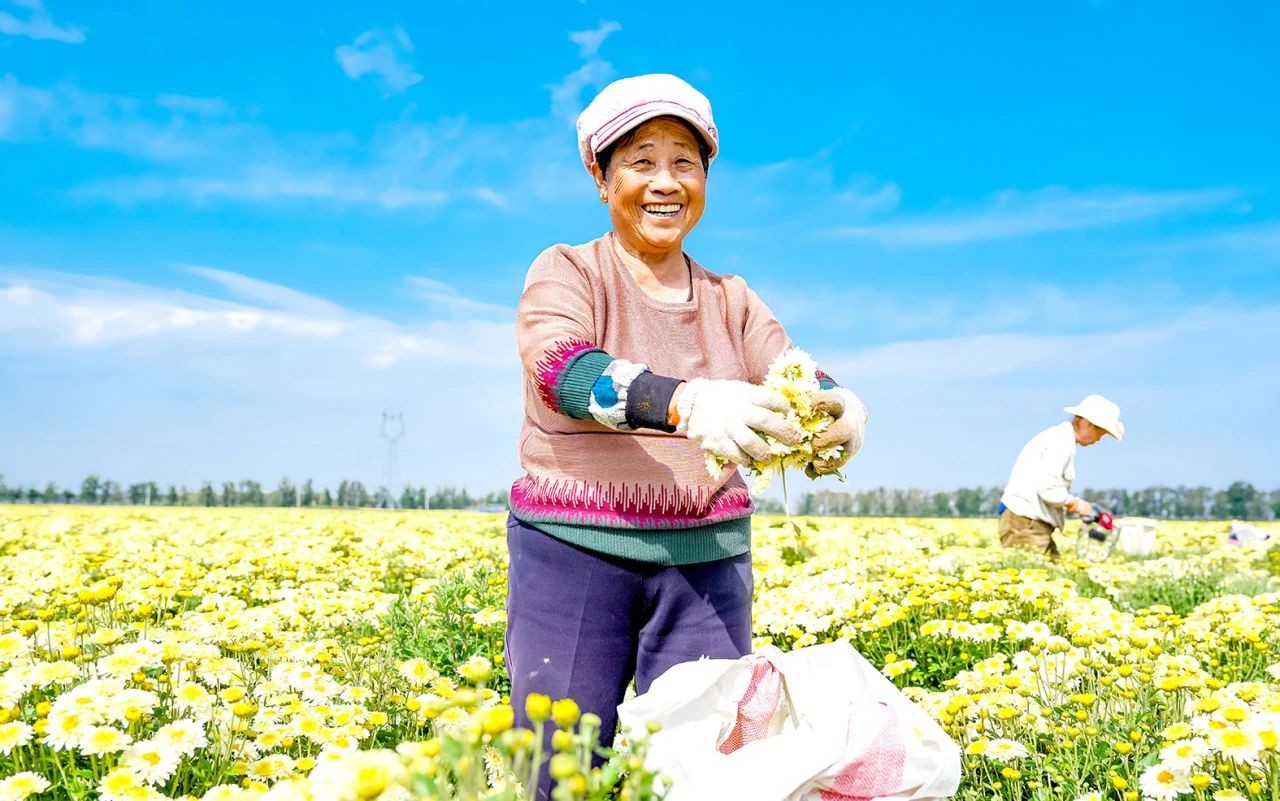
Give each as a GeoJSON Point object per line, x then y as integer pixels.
{"type": "Point", "coordinates": [663, 209]}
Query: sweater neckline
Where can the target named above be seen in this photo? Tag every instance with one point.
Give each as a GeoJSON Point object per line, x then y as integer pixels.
{"type": "Point", "coordinates": [688, 303]}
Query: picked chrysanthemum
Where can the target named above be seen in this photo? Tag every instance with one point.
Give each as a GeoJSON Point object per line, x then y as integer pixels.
{"type": "Point", "coordinates": [794, 375]}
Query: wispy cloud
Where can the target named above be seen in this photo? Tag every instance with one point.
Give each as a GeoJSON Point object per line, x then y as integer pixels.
{"type": "Point", "coordinates": [566, 95]}
{"type": "Point", "coordinates": [1014, 214]}
{"type": "Point", "coordinates": [200, 106]}
{"type": "Point", "coordinates": [37, 24]}
{"type": "Point", "coordinates": [589, 42]}
{"type": "Point", "coordinates": [164, 131]}
{"type": "Point", "coordinates": [443, 297]}
{"type": "Point", "coordinates": [383, 54]}
{"type": "Point", "coordinates": [49, 310]}
{"type": "Point", "coordinates": [249, 379]}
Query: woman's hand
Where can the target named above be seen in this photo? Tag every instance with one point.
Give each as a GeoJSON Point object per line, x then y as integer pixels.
{"type": "Point", "coordinates": [723, 417]}
{"type": "Point", "coordinates": [850, 423]}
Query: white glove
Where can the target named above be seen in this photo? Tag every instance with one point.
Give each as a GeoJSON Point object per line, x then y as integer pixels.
{"type": "Point", "coordinates": [847, 430]}
{"type": "Point", "coordinates": [723, 417]}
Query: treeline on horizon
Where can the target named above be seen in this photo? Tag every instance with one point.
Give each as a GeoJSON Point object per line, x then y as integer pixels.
{"type": "Point", "coordinates": [95, 490]}
{"type": "Point", "coordinates": [1239, 501]}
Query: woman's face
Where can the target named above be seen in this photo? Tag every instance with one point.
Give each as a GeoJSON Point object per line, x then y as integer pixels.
{"type": "Point", "coordinates": [656, 188]}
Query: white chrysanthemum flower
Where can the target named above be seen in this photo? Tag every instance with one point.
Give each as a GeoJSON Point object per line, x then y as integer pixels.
{"type": "Point", "coordinates": [224, 792]}
{"type": "Point", "coordinates": [151, 762]}
{"type": "Point", "coordinates": [120, 784]}
{"type": "Point", "coordinates": [65, 730]}
{"type": "Point", "coordinates": [1184, 754]}
{"type": "Point", "coordinates": [184, 736]}
{"type": "Point", "coordinates": [417, 671]}
{"type": "Point", "coordinates": [22, 785]}
{"type": "Point", "coordinates": [14, 734]}
{"type": "Point", "coordinates": [1003, 750]}
{"type": "Point", "coordinates": [1235, 743]}
{"type": "Point", "coordinates": [360, 774]}
{"type": "Point", "coordinates": [1093, 795]}
{"type": "Point", "coordinates": [103, 740]}
{"type": "Point", "coordinates": [1162, 783]}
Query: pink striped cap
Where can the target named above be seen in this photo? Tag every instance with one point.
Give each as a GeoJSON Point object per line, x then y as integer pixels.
{"type": "Point", "coordinates": [628, 102]}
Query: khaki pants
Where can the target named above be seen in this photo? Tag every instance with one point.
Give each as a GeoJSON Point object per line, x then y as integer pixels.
{"type": "Point", "coordinates": [1017, 531]}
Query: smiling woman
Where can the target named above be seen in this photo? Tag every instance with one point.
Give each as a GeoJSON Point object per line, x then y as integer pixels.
{"type": "Point", "coordinates": [626, 556]}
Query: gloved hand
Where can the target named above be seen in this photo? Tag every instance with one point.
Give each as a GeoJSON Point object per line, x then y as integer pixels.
{"type": "Point", "coordinates": [847, 429]}
{"type": "Point", "coordinates": [723, 417]}
{"type": "Point", "coordinates": [1080, 506]}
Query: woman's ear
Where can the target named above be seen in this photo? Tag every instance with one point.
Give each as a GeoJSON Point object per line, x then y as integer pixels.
{"type": "Point", "coordinates": [598, 174]}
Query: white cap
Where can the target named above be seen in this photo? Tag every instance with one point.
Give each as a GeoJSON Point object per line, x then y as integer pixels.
{"type": "Point", "coordinates": [1103, 413]}
{"type": "Point", "coordinates": [626, 103]}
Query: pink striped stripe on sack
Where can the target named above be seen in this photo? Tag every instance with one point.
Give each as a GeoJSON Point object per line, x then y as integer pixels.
{"type": "Point", "coordinates": [875, 772]}
{"type": "Point", "coordinates": [757, 705]}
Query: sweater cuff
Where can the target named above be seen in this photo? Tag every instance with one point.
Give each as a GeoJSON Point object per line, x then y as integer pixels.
{"type": "Point", "coordinates": [573, 394]}
{"type": "Point", "coordinates": [648, 399]}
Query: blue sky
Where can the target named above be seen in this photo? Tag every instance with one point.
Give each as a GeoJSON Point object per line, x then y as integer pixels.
{"type": "Point", "coordinates": [231, 237]}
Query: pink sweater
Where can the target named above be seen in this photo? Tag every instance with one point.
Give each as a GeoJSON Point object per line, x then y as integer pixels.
{"type": "Point", "coordinates": [583, 300]}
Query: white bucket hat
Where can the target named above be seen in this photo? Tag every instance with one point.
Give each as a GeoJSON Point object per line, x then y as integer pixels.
{"type": "Point", "coordinates": [1103, 413]}
{"type": "Point", "coordinates": [628, 102]}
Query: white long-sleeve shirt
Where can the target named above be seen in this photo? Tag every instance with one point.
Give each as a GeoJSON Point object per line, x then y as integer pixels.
{"type": "Point", "coordinates": [1040, 482]}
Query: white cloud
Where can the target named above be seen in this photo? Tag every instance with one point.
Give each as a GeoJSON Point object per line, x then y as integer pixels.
{"type": "Point", "coordinates": [952, 411]}
{"type": "Point", "coordinates": [566, 94]}
{"type": "Point", "coordinates": [200, 106]}
{"type": "Point", "coordinates": [350, 187]}
{"type": "Point", "coordinates": [383, 54]}
{"type": "Point", "coordinates": [443, 297]}
{"type": "Point", "coordinates": [1016, 214]}
{"type": "Point", "coordinates": [37, 24]}
{"type": "Point", "coordinates": [187, 386]}
{"type": "Point", "coordinates": [589, 42]}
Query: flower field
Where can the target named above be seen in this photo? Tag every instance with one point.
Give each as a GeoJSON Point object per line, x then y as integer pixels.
{"type": "Point", "coordinates": [222, 653]}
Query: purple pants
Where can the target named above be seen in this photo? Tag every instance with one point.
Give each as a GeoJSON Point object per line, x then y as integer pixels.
{"type": "Point", "coordinates": [582, 625]}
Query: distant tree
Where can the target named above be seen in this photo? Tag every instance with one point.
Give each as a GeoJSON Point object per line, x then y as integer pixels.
{"type": "Point", "coordinates": [171, 497]}
{"type": "Point", "coordinates": [68, 496]}
{"type": "Point", "coordinates": [326, 499]}
{"type": "Point", "coordinates": [968, 502]}
{"type": "Point", "coordinates": [941, 504]}
{"type": "Point", "coordinates": [90, 488]}
{"type": "Point", "coordinates": [205, 496]}
{"type": "Point", "coordinates": [251, 494]}
{"type": "Point", "coordinates": [145, 493]}
{"type": "Point", "coordinates": [112, 492]}
{"type": "Point", "coordinates": [50, 494]}
{"type": "Point", "coordinates": [286, 494]}
{"type": "Point", "coordinates": [1238, 500]}
{"type": "Point", "coordinates": [308, 494]}
{"type": "Point", "coordinates": [230, 497]}
{"type": "Point", "coordinates": [769, 506]}
{"type": "Point", "coordinates": [409, 498]}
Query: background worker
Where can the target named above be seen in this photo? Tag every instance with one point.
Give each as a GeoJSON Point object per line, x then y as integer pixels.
{"type": "Point", "coordinates": [1038, 495]}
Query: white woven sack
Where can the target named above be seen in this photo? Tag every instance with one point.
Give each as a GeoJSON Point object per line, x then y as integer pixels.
{"type": "Point", "coordinates": [816, 724]}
